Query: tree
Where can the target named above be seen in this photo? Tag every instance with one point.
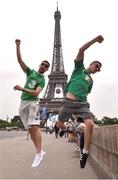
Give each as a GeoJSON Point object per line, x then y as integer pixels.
{"type": "Point", "coordinates": [16, 121]}
{"type": "Point", "coordinates": [4, 124]}
{"type": "Point", "coordinates": [109, 121]}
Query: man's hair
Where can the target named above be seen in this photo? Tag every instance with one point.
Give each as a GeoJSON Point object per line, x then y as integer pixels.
{"type": "Point", "coordinates": [97, 62]}
{"type": "Point", "coordinates": [46, 62]}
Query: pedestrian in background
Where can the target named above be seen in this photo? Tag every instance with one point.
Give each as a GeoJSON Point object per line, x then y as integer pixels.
{"type": "Point", "coordinates": [56, 129]}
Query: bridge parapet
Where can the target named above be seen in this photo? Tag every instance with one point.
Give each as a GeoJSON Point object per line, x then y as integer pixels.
{"type": "Point", "coordinates": [104, 149]}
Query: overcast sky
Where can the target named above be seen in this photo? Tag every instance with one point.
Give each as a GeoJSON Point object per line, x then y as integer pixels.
{"type": "Point", "coordinates": [33, 22]}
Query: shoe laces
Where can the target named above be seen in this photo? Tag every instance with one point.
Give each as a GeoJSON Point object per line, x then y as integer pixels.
{"type": "Point", "coordinates": [81, 155]}
{"type": "Point", "coordinates": [37, 157]}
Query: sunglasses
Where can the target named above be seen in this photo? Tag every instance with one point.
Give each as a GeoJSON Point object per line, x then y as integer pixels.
{"type": "Point", "coordinates": [98, 67]}
{"type": "Point", "coordinates": [43, 64]}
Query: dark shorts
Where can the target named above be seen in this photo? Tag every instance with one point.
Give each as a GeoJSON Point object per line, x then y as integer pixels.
{"type": "Point", "coordinates": [70, 107]}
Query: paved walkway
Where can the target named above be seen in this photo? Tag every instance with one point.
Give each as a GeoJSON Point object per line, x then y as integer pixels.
{"type": "Point", "coordinates": [60, 162]}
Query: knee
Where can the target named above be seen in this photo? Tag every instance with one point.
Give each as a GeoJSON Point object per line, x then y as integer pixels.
{"type": "Point", "coordinates": [89, 123]}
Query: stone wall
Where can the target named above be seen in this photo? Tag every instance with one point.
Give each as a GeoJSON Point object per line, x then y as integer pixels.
{"type": "Point", "coordinates": [104, 149]}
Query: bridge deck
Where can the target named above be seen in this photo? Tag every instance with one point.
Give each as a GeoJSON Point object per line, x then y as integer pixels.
{"type": "Point", "coordinates": [60, 162]}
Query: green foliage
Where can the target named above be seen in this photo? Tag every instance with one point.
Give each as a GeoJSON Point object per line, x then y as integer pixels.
{"type": "Point", "coordinates": [109, 121]}
{"type": "Point", "coordinates": [4, 124]}
{"type": "Point", "coordinates": [106, 121]}
{"type": "Point", "coordinates": [16, 121]}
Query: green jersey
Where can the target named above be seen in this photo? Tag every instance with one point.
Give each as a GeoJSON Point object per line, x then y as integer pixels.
{"type": "Point", "coordinates": [80, 83]}
{"type": "Point", "coordinates": [33, 80]}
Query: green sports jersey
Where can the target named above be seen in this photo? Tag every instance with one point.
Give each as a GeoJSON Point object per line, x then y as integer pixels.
{"type": "Point", "coordinates": [33, 80]}
{"type": "Point", "coordinates": [80, 83]}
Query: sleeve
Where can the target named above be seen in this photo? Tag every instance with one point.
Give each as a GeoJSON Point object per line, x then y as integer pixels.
{"type": "Point", "coordinates": [79, 64]}
{"type": "Point", "coordinates": [28, 71]}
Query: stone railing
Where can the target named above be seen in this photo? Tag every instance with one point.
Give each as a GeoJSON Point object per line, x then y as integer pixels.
{"type": "Point", "coordinates": [104, 149]}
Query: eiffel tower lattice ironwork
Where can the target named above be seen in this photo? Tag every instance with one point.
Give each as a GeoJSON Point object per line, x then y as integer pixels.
{"type": "Point", "coordinates": [54, 94]}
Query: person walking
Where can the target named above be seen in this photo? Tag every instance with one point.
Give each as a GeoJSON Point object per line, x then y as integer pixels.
{"type": "Point", "coordinates": [77, 89]}
{"type": "Point", "coordinates": [56, 129]}
{"type": "Point", "coordinates": [29, 107]}
{"type": "Point", "coordinates": [28, 135]}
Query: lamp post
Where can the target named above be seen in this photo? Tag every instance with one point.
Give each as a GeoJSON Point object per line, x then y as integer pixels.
{"type": "Point", "coordinates": [46, 118]}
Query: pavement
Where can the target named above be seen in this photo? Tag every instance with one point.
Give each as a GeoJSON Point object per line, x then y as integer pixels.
{"type": "Point", "coordinates": [60, 162]}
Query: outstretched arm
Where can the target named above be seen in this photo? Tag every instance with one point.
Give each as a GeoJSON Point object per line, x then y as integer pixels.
{"type": "Point", "coordinates": [22, 64]}
{"type": "Point", "coordinates": [32, 92]}
{"type": "Point", "coordinates": [80, 54]}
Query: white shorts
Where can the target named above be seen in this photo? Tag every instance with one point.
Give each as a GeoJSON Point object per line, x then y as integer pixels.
{"type": "Point", "coordinates": [29, 113]}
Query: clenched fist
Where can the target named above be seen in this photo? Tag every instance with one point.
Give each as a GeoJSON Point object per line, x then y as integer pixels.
{"type": "Point", "coordinates": [17, 41]}
{"type": "Point", "coordinates": [19, 88]}
{"type": "Point", "coordinates": [99, 39]}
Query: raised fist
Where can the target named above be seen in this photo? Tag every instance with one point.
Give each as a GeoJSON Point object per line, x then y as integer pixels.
{"type": "Point", "coordinates": [99, 38]}
{"type": "Point", "coordinates": [17, 87]}
{"type": "Point", "coordinates": [17, 41]}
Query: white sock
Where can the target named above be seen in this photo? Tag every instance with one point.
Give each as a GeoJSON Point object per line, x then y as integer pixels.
{"type": "Point", "coordinates": [38, 154]}
{"type": "Point", "coordinates": [85, 151]}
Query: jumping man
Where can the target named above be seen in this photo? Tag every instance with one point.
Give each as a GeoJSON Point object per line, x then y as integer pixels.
{"type": "Point", "coordinates": [77, 89]}
{"type": "Point", "coordinates": [28, 110]}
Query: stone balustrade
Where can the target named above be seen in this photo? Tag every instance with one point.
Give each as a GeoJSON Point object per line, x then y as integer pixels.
{"type": "Point", "coordinates": [104, 149]}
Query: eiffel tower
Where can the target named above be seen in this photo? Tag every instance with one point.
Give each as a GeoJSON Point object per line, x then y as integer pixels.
{"type": "Point", "coordinates": [54, 94]}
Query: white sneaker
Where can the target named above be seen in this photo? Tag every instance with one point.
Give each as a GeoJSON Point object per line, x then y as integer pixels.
{"type": "Point", "coordinates": [38, 158]}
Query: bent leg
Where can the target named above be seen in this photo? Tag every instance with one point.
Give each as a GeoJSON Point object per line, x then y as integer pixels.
{"type": "Point", "coordinates": [88, 133]}
{"type": "Point", "coordinates": [81, 141]}
{"type": "Point", "coordinates": [36, 137]}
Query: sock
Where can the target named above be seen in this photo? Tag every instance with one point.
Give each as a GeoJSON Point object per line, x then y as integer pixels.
{"type": "Point", "coordinates": [85, 151]}
{"type": "Point", "coordinates": [38, 154]}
